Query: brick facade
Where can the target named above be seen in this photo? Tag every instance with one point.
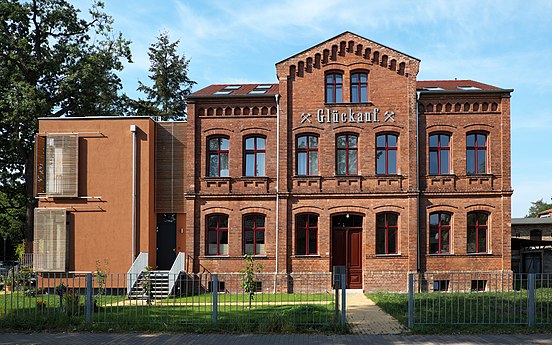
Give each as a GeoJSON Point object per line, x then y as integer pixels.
{"type": "Point", "coordinates": [373, 217]}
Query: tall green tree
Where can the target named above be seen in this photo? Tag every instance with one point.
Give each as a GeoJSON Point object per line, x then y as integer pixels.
{"type": "Point", "coordinates": [52, 63]}
{"type": "Point", "coordinates": [171, 85]}
{"type": "Point", "coordinates": [538, 206]}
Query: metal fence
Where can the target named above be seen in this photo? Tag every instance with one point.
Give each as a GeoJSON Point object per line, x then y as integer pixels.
{"type": "Point", "coordinates": [491, 298]}
{"type": "Point", "coordinates": [306, 299]}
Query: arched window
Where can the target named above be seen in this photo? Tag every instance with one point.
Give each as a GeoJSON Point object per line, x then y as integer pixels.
{"type": "Point", "coordinates": [439, 154]}
{"type": "Point", "coordinates": [359, 87]}
{"type": "Point", "coordinates": [476, 153]}
{"type": "Point", "coordinates": [439, 233]}
{"type": "Point", "coordinates": [217, 235]}
{"type": "Point", "coordinates": [306, 234]}
{"type": "Point", "coordinates": [217, 157]}
{"type": "Point", "coordinates": [255, 150]}
{"type": "Point", "coordinates": [334, 88]}
{"type": "Point", "coordinates": [477, 232]}
{"type": "Point", "coordinates": [307, 155]}
{"type": "Point", "coordinates": [346, 154]}
{"type": "Point", "coordinates": [254, 234]}
{"type": "Point", "coordinates": [387, 233]}
{"type": "Point", "coordinates": [386, 154]}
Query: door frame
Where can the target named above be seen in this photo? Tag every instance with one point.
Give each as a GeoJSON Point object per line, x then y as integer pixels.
{"type": "Point", "coordinates": [349, 231]}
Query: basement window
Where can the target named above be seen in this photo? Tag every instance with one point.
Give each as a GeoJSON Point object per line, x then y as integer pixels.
{"type": "Point", "coordinates": [441, 285]}
{"type": "Point", "coordinates": [478, 285]}
{"type": "Point", "coordinates": [221, 286]}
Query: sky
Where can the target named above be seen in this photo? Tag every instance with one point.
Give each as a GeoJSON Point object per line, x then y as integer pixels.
{"type": "Point", "coordinates": [506, 43]}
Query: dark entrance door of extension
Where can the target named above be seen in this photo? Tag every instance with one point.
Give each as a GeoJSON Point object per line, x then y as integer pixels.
{"type": "Point", "coordinates": [347, 247]}
{"type": "Point", "coordinates": [166, 240]}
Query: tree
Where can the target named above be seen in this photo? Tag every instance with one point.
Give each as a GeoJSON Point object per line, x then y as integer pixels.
{"type": "Point", "coordinates": [52, 63]}
{"type": "Point", "coordinates": [171, 85]}
{"type": "Point", "coordinates": [248, 278]}
{"type": "Point", "coordinates": [536, 207]}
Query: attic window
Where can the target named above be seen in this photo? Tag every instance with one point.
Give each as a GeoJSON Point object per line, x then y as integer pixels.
{"type": "Point", "coordinates": [260, 89]}
{"type": "Point", "coordinates": [222, 92]}
{"type": "Point", "coordinates": [468, 87]}
{"type": "Point", "coordinates": [232, 87]}
{"type": "Point", "coordinates": [433, 88]}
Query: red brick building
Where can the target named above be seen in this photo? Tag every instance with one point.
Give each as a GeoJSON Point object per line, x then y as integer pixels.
{"type": "Point", "coordinates": [347, 160]}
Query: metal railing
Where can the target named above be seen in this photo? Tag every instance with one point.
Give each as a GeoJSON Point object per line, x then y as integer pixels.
{"type": "Point", "coordinates": [490, 298]}
{"type": "Point", "coordinates": [301, 299]}
{"type": "Point", "coordinates": [137, 267]}
{"type": "Point", "coordinates": [176, 268]}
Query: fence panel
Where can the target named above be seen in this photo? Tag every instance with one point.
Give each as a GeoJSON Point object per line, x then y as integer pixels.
{"type": "Point", "coordinates": [480, 298]}
{"type": "Point", "coordinates": [297, 299]}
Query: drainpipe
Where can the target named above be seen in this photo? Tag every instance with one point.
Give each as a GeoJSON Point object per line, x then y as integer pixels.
{"type": "Point", "coordinates": [277, 188]}
{"type": "Point", "coordinates": [418, 249]}
{"type": "Point", "coordinates": [133, 130]}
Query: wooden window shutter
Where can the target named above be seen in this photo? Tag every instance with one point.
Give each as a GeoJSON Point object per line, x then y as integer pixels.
{"type": "Point", "coordinates": [50, 240]}
{"type": "Point", "coordinates": [40, 165]}
{"type": "Point", "coordinates": [61, 166]}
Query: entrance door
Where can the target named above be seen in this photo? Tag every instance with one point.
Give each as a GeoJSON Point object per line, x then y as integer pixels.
{"type": "Point", "coordinates": [166, 240]}
{"type": "Point", "coordinates": [347, 247]}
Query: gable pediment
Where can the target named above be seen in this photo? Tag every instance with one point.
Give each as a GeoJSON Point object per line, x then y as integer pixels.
{"type": "Point", "coordinates": [342, 47]}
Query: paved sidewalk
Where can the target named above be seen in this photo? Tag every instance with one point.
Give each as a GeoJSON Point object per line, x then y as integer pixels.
{"type": "Point", "coordinates": [365, 317]}
{"type": "Point", "coordinates": [279, 339]}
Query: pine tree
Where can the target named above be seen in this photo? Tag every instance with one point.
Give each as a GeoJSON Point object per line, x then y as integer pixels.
{"type": "Point", "coordinates": [171, 84]}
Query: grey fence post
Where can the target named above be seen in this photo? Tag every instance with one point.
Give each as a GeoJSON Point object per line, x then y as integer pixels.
{"type": "Point", "coordinates": [215, 297]}
{"type": "Point", "coordinates": [531, 299]}
{"type": "Point", "coordinates": [343, 299]}
{"type": "Point", "coordinates": [89, 288]}
{"type": "Point", "coordinates": [410, 300]}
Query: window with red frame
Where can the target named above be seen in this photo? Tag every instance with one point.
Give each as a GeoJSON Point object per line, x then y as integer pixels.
{"type": "Point", "coordinates": [439, 154]}
{"type": "Point", "coordinates": [307, 155]}
{"type": "Point", "coordinates": [255, 151]}
{"type": "Point", "coordinates": [218, 157]}
{"type": "Point", "coordinates": [386, 154]}
{"type": "Point", "coordinates": [477, 232]}
{"type": "Point", "coordinates": [386, 233]}
{"type": "Point", "coordinates": [359, 87]}
{"type": "Point", "coordinates": [217, 235]}
{"type": "Point", "coordinates": [439, 233]}
{"type": "Point", "coordinates": [476, 153]}
{"type": "Point", "coordinates": [334, 88]}
{"type": "Point", "coordinates": [254, 234]}
{"type": "Point", "coordinates": [346, 154]}
{"type": "Point", "coordinates": [306, 234]}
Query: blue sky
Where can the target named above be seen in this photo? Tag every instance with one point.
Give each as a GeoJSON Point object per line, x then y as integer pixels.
{"type": "Point", "coordinates": [503, 43]}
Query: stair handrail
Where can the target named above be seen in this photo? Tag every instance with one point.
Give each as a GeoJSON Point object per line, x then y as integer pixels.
{"type": "Point", "coordinates": [177, 267]}
{"type": "Point", "coordinates": [138, 266]}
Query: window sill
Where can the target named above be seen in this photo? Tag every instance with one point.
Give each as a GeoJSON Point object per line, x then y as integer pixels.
{"type": "Point", "coordinates": [441, 254]}
{"type": "Point", "coordinates": [245, 178]}
{"type": "Point", "coordinates": [217, 178]}
{"type": "Point", "coordinates": [479, 254]}
{"type": "Point", "coordinates": [306, 256]}
{"type": "Point", "coordinates": [388, 255]}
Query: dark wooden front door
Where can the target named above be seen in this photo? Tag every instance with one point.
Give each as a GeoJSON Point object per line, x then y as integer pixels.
{"type": "Point", "coordinates": [166, 240]}
{"type": "Point", "coordinates": [347, 247]}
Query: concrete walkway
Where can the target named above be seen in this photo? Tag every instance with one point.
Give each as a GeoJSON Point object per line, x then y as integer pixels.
{"type": "Point", "coordinates": [365, 317]}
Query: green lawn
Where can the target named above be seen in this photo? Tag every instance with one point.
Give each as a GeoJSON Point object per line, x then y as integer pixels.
{"type": "Point", "coordinates": [464, 312]}
{"type": "Point", "coordinates": [268, 313]}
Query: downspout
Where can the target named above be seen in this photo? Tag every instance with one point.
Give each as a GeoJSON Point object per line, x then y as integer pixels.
{"type": "Point", "coordinates": [277, 188]}
{"type": "Point", "coordinates": [133, 130]}
{"type": "Point", "coordinates": [418, 249]}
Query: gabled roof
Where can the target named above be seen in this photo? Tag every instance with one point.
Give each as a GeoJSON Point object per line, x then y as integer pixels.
{"type": "Point", "coordinates": [346, 33]}
{"type": "Point", "coordinates": [233, 90]}
{"type": "Point", "coordinates": [455, 85]}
